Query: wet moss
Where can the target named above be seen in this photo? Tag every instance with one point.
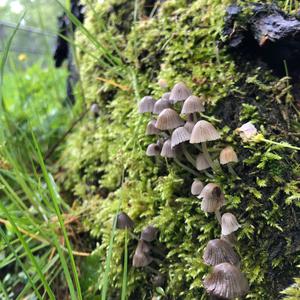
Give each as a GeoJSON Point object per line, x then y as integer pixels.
{"type": "Point", "coordinates": [104, 162]}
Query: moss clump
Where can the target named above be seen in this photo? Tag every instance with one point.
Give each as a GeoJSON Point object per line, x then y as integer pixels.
{"type": "Point", "coordinates": [104, 162]}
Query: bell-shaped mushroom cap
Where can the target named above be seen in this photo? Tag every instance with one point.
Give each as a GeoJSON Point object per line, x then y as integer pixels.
{"type": "Point", "coordinates": [168, 119]}
{"type": "Point", "coordinates": [153, 150]}
{"type": "Point", "coordinates": [179, 92]}
{"type": "Point", "coordinates": [196, 187]}
{"type": "Point", "coordinates": [179, 136]}
{"type": "Point", "coordinates": [226, 281]}
{"type": "Point", "coordinates": [146, 104]}
{"type": "Point", "coordinates": [167, 150]}
{"type": "Point", "coordinates": [228, 155]}
{"type": "Point", "coordinates": [212, 198]}
{"type": "Point", "coordinates": [201, 162]}
{"type": "Point", "coordinates": [229, 224]}
{"type": "Point", "coordinates": [95, 110]}
{"type": "Point", "coordinates": [149, 234]}
{"type": "Point", "coordinates": [230, 238]}
{"type": "Point", "coordinates": [203, 131]}
{"type": "Point", "coordinates": [160, 105]}
{"type": "Point", "coordinates": [166, 96]}
{"type": "Point", "coordinates": [247, 131]}
{"type": "Point", "coordinates": [163, 83]}
{"type": "Point", "coordinates": [191, 105]}
{"type": "Point", "coordinates": [189, 125]}
{"type": "Point", "coordinates": [151, 129]}
{"type": "Point", "coordinates": [141, 259]}
{"type": "Point", "coordinates": [218, 251]}
{"type": "Point", "coordinates": [124, 221]}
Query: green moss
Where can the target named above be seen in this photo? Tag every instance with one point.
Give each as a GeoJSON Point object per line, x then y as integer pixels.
{"type": "Point", "coordinates": [104, 161]}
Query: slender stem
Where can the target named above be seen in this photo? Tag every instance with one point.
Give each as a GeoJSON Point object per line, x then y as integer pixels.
{"type": "Point", "coordinates": [207, 156]}
{"type": "Point", "coordinates": [152, 270]}
{"type": "Point", "coordinates": [125, 267]}
{"type": "Point", "coordinates": [188, 156]}
{"type": "Point", "coordinates": [198, 147]}
{"type": "Point", "coordinates": [195, 118]}
{"type": "Point", "coordinates": [186, 167]}
{"type": "Point", "coordinates": [218, 216]}
{"type": "Point", "coordinates": [232, 171]}
{"type": "Point", "coordinates": [133, 235]}
{"type": "Point", "coordinates": [285, 145]}
{"type": "Point", "coordinates": [208, 174]}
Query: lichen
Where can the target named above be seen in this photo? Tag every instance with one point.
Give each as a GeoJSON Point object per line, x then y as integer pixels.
{"type": "Point", "coordinates": [104, 163]}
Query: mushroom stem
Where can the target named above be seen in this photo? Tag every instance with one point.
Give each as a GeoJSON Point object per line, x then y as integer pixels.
{"type": "Point", "coordinates": [124, 284]}
{"type": "Point", "coordinates": [188, 156]}
{"type": "Point", "coordinates": [284, 145]}
{"type": "Point", "coordinates": [183, 166]}
{"type": "Point", "coordinates": [198, 147]}
{"type": "Point", "coordinates": [218, 216]}
{"type": "Point", "coordinates": [195, 118]}
{"type": "Point", "coordinates": [133, 235]}
{"type": "Point", "coordinates": [207, 156]}
{"type": "Point", "coordinates": [232, 172]}
{"type": "Point", "coordinates": [208, 174]}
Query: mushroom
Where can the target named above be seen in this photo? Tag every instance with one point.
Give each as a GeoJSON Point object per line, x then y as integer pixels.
{"type": "Point", "coordinates": [226, 281]}
{"type": "Point", "coordinates": [95, 110]}
{"type": "Point", "coordinates": [124, 221]}
{"type": "Point", "coordinates": [196, 187]}
{"type": "Point", "coordinates": [162, 83]}
{"type": "Point", "coordinates": [179, 136]}
{"type": "Point", "coordinates": [189, 125]}
{"type": "Point", "coordinates": [203, 132]}
{"type": "Point", "coordinates": [179, 92]}
{"type": "Point", "coordinates": [247, 131]}
{"type": "Point", "coordinates": [201, 162]}
{"type": "Point", "coordinates": [218, 251]}
{"type": "Point", "coordinates": [160, 105]}
{"type": "Point", "coordinates": [167, 150]}
{"type": "Point", "coordinates": [149, 234]}
{"type": "Point", "coordinates": [146, 104]}
{"type": "Point", "coordinates": [229, 224]}
{"type": "Point", "coordinates": [192, 104]}
{"type": "Point", "coordinates": [212, 199]}
{"type": "Point", "coordinates": [166, 96]}
{"type": "Point", "coordinates": [228, 155]}
{"type": "Point", "coordinates": [151, 129]}
{"type": "Point", "coordinates": [141, 259]}
{"type": "Point", "coordinates": [168, 119]}
{"type": "Point", "coordinates": [153, 150]}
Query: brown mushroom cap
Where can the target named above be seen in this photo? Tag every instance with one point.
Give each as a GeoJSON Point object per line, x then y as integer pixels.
{"type": "Point", "coordinates": [180, 135]}
{"type": "Point", "coordinates": [218, 251]}
{"type": "Point", "coordinates": [160, 105]}
{"type": "Point", "coordinates": [179, 92]}
{"type": "Point", "coordinates": [153, 150]}
{"type": "Point", "coordinates": [168, 119]}
{"type": "Point", "coordinates": [226, 281]}
{"type": "Point", "coordinates": [204, 131]}
{"type": "Point", "coordinates": [201, 162]}
{"type": "Point", "coordinates": [167, 150]}
{"type": "Point", "coordinates": [228, 155]}
{"type": "Point", "coordinates": [229, 224]}
{"type": "Point", "coordinates": [212, 198]}
{"type": "Point", "coordinates": [124, 221]}
{"type": "Point", "coordinates": [146, 104]}
{"type": "Point", "coordinates": [151, 129]}
{"type": "Point", "coordinates": [191, 105]}
{"type": "Point", "coordinates": [149, 234]}
{"type": "Point", "coordinates": [141, 259]}
{"type": "Point", "coordinates": [196, 187]}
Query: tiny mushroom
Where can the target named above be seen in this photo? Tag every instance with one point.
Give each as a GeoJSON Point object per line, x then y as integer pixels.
{"type": "Point", "coordinates": [201, 162]}
{"type": "Point", "coordinates": [212, 198]}
{"type": "Point", "coordinates": [196, 187]}
{"type": "Point", "coordinates": [226, 281]}
{"type": "Point", "coordinates": [179, 136]}
{"type": "Point", "coordinates": [218, 251]}
{"type": "Point", "coordinates": [95, 110]}
{"type": "Point", "coordinates": [160, 105]}
{"type": "Point", "coordinates": [124, 221]}
{"type": "Point", "coordinates": [168, 119]}
{"type": "Point", "coordinates": [153, 150]}
{"type": "Point", "coordinates": [151, 129]}
{"type": "Point", "coordinates": [167, 150]}
{"type": "Point", "coordinates": [149, 234]}
{"type": "Point", "coordinates": [228, 155]}
{"type": "Point", "coordinates": [179, 92]}
{"type": "Point", "coordinates": [141, 257]}
{"type": "Point", "coordinates": [146, 104]}
{"type": "Point", "coordinates": [229, 224]}
{"type": "Point", "coordinates": [247, 131]}
{"type": "Point", "coordinates": [192, 104]}
{"type": "Point", "coordinates": [204, 131]}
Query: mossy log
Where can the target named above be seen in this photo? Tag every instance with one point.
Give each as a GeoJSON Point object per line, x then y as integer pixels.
{"type": "Point", "coordinates": [105, 167]}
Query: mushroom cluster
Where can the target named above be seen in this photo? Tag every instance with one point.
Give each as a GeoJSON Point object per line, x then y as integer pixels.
{"type": "Point", "coordinates": [183, 136]}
